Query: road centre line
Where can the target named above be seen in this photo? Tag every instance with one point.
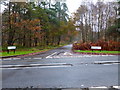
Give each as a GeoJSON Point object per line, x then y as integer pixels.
{"type": "Point", "coordinates": [96, 88]}
{"type": "Point", "coordinates": [11, 59]}
{"type": "Point", "coordinates": [7, 59]}
{"type": "Point", "coordinates": [37, 58]}
{"type": "Point", "coordinates": [35, 66]}
{"type": "Point", "coordinates": [18, 58]}
{"type": "Point", "coordinates": [50, 64]}
{"type": "Point", "coordinates": [106, 62]}
{"type": "Point", "coordinates": [2, 66]}
{"type": "Point", "coordinates": [103, 87]}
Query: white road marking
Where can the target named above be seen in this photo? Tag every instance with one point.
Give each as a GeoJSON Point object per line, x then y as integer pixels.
{"type": "Point", "coordinates": [37, 58]}
{"type": "Point", "coordinates": [111, 64]}
{"type": "Point", "coordinates": [38, 67]}
{"type": "Point", "coordinates": [101, 87]}
{"type": "Point", "coordinates": [27, 58]}
{"type": "Point", "coordinates": [27, 65]}
{"type": "Point", "coordinates": [7, 59]}
{"type": "Point", "coordinates": [107, 62]}
{"type": "Point", "coordinates": [68, 53]}
{"type": "Point", "coordinates": [11, 58]}
{"type": "Point", "coordinates": [16, 58]}
{"type": "Point", "coordinates": [50, 56]}
{"type": "Point", "coordinates": [82, 85]}
{"type": "Point", "coordinates": [50, 65]}
{"type": "Point", "coordinates": [2, 66]}
{"type": "Point", "coordinates": [116, 87]}
{"type": "Point", "coordinates": [70, 56]}
{"type": "Point", "coordinates": [95, 88]}
{"type": "Point", "coordinates": [57, 57]}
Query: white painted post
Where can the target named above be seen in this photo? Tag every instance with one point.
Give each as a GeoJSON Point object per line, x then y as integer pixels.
{"type": "Point", "coordinates": [96, 47]}
{"type": "Point", "coordinates": [11, 48]}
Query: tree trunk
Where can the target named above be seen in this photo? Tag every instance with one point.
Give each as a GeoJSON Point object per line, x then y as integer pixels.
{"type": "Point", "coordinates": [35, 41]}
{"type": "Point", "coordinates": [59, 39]}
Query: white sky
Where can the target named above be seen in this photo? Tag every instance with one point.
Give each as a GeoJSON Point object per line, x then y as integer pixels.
{"type": "Point", "coordinates": [72, 4]}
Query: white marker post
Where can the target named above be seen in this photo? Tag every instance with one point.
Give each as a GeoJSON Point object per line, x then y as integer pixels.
{"type": "Point", "coordinates": [11, 48]}
{"type": "Point", "coordinates": [96, 47]}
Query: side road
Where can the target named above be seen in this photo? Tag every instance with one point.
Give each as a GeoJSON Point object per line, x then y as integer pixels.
{"type": "Point", "coordinates": [20, 54]}
{"type": "Point", "coordinates": [23, 55]}
{"type": "Point", "coordinates": [60, 49]}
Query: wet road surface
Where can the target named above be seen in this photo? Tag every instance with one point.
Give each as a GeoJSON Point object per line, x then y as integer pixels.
{"type": "Point", "coordinates": [60, 68]}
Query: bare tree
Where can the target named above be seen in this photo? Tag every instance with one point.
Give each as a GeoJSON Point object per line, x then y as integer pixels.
{"type": "Point", "coordinates": [95, 19]}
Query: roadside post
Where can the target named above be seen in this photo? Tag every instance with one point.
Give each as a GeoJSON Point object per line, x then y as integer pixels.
{"type": "Point", "coordinates": [96, 48]}
{"type": "Point", "coordinates": [11, 48]}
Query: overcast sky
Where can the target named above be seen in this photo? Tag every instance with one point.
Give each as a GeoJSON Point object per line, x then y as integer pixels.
{"type": "Point", "coordinates": [73, 4]}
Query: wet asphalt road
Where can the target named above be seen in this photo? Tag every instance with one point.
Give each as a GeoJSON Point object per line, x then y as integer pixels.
{"type": "Point", "coordinates": [60, 68]}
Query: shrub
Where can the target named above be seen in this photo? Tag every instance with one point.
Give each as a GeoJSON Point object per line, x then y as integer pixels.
{"type": "Point", "coordinates": [106, 45]}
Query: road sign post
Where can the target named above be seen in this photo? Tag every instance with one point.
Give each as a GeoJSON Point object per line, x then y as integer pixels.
{"type": "Point", "coordinates": [11, 48]}
{"type": "Point", "coordinates": [96, 48]}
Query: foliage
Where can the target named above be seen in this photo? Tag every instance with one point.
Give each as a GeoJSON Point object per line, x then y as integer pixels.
{"type": "Point", "coordinates": [97, 21]}
{"type": "Point", "coordinates": [113, 31]}
{"type": "Point", "coordinates": [105, 52]}
{"type": "Point", "coordinates": [35, 24]}
{"type": "Point", "coordinates": [25, 50]}
{"type": "Point", "coordinates": [105, 45]}
{"type": "Point", "coordinates": [11, 53]}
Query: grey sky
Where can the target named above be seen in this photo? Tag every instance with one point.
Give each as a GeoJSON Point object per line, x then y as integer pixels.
{"type": "Point", "coordinates": [72, 4]}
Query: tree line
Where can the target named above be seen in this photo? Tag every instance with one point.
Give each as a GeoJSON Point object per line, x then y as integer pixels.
{"type": "Point", "coordinates": [98, 21]}
{"type": "Point", "coordinates": [36, 24]}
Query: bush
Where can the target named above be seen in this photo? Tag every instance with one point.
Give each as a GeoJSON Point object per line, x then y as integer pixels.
{"type": "Point", "coordinates": [106, 45]}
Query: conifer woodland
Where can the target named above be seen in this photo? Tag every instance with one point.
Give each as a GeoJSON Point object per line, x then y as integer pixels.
{"type": "Point", "coordinates": [46, 23]}
{"type": "Point", "coordinates": [36, 24]}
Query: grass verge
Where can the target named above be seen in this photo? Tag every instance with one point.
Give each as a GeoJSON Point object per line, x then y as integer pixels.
{"type": "Point", "coordinates": [11, 53]}
{"type": "Point", "coordinates": [106, 52]}
{"type": "Point", "coordinates": [22, 51]}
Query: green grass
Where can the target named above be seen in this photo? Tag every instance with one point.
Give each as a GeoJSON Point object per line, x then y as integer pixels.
{"type": "Point", "coordinates": [11, 53]}
{"type": "Point", "coordinates": [26, 50]}
{"type": "Point", "coordinates": [107, 52]}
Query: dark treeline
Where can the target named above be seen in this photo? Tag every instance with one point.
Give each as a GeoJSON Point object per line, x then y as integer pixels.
{"type": "Point", "coordinates": [36, 24]}
{"type": "Point", "coordinates": [47, 23]}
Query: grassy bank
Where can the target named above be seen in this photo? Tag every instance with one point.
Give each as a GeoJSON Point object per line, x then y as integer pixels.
{"type": "Point", "coordinates": [25, 50]}
{"type": "Point", "coordinates": [106, 52]}
{"type": "Point", "coordinates": [11, 53]}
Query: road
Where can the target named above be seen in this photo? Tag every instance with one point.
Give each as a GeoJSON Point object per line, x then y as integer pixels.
{"type": "Point", "coordinates": [60, 68]}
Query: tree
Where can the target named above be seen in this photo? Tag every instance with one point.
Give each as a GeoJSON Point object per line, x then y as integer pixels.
{"type": "Point", "coordinates": [31, 24]}
{"type": "Point", "coordinates": [93, 20]}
